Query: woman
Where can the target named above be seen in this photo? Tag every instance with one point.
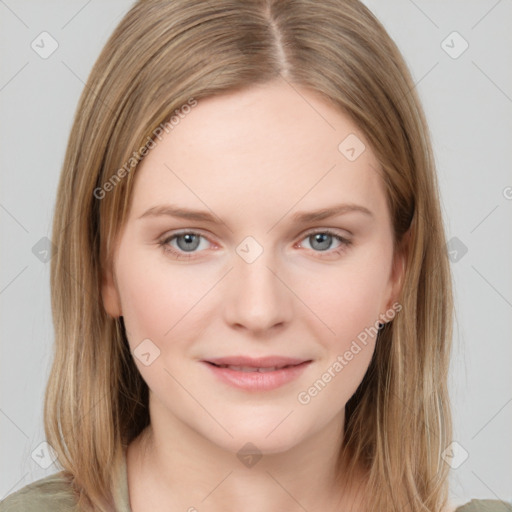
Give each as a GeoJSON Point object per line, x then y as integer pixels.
{"type": "Point", "coordinates": [252, 301]}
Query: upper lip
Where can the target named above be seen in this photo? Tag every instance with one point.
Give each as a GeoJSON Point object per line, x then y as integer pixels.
{"type": "Point", "coordinates": [257, 362]}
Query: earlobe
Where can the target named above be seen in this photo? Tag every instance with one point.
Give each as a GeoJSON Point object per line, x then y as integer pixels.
{"type": "Point", "coordinates": [399, 268]}
{"type": "Point", "coordinates": [110, 295]}
{"type": "Point", "coordinates": [398, 278]}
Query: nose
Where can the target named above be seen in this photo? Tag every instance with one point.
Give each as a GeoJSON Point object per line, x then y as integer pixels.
{"type": "Point", "coordinates": [256, 297]}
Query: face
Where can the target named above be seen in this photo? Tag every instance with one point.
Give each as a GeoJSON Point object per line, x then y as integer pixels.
{"type": "Point", "coordinates": [256, 274]}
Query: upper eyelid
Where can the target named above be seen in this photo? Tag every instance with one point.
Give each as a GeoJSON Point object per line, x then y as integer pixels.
{"type": "Point", "coordinates": [332, 231]}
{"type": "Point", "coordinates": [335, 231]}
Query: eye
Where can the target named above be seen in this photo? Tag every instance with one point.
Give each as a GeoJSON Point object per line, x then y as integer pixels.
{"type": "Point", "coordinates": [322, 241]}
{"type": "Point", "coordinates": [185, 245]}
{"type": "Point", "coordinates": [182, 245]}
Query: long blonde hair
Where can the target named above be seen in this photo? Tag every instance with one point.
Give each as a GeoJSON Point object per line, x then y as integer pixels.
{"type": "Point", "coordinates": [161, 55]}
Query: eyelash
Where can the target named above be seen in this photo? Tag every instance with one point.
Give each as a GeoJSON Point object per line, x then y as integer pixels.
{"type": "Point", "coordinates": [345, 243]}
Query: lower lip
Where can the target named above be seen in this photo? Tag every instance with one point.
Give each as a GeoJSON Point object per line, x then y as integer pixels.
{"type": "Point", "coordinates": [258, 381]}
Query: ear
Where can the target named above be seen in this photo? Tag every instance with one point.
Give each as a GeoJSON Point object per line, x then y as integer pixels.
{"type": "Point", "coordinates": [110, 294]}
{"type": "Point", "coordinates": [397, 276]}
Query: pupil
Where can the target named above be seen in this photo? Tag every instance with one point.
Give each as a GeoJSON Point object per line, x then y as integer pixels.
{"type": "Point", "coordinates": [190, 243]}
{"type": "Point", "coordinates": [324, 239]}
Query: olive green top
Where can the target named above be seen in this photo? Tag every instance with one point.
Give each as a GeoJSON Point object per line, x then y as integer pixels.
{"type": "Point", "coordinates": [53, 494]}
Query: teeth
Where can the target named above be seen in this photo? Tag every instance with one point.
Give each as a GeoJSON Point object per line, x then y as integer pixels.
{"type": "Point", "coordinates": [271, 369]}
{"type": "Point", "coordinates": [250, 368]}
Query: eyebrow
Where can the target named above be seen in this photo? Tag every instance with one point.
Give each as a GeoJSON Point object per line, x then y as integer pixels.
{"type": "Point", "coordinates": [170, 210]}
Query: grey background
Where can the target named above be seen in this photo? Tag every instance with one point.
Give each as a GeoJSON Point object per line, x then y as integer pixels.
{"type": "Point", "coordinates": [468, 101]}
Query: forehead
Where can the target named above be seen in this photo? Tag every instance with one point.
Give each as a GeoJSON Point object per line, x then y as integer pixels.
{"type": "Point", "coordinates": [264, 148]}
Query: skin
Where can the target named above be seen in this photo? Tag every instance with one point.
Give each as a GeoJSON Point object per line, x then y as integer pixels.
{"type": "Point", "coordinates": [253, 159]}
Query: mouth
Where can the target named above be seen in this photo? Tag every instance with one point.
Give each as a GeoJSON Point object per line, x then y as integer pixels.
{"type": "Point", "coordinates": [257, 374]}
{"type": "Point", "coordinates": [272, 361]}
{"type": "Point", "coordinates": [261, 369]}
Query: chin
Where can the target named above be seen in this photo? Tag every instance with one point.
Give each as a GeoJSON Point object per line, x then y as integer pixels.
{"type": "Point", "coordinates": [257, 443]}
{"type": "Point", "coordinates": [270, 435]}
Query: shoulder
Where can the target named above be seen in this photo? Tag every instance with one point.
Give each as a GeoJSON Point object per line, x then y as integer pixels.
{"type": "Point", "coordinates": [52, 493]}
{"type": "Point", "coordinates": [485, 506]}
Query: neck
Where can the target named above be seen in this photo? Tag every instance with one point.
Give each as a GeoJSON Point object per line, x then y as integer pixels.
{"type": "Point", "coordinates": [172, 464]}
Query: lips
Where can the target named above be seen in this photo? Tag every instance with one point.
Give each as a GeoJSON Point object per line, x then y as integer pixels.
{"type": "Point", "coordinates": [251, 368]}
{"type": "Point", "coordinates": [256, 373]}
{"type": "Point", "coordinates": [254, 364]}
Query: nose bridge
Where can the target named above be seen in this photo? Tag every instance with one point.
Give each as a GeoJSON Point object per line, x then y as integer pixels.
{"type": "Point", "coordinates": [258, 300]}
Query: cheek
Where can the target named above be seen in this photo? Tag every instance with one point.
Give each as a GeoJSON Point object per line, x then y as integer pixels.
{"type": "Point", "coordinates": [154, 299]}
{"type": "Point", "coordinates": [158, 304]}
{"type": "Point", "coordinates": [349, 298]}
{"type": "Point", "coordinates": [349, 306]}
